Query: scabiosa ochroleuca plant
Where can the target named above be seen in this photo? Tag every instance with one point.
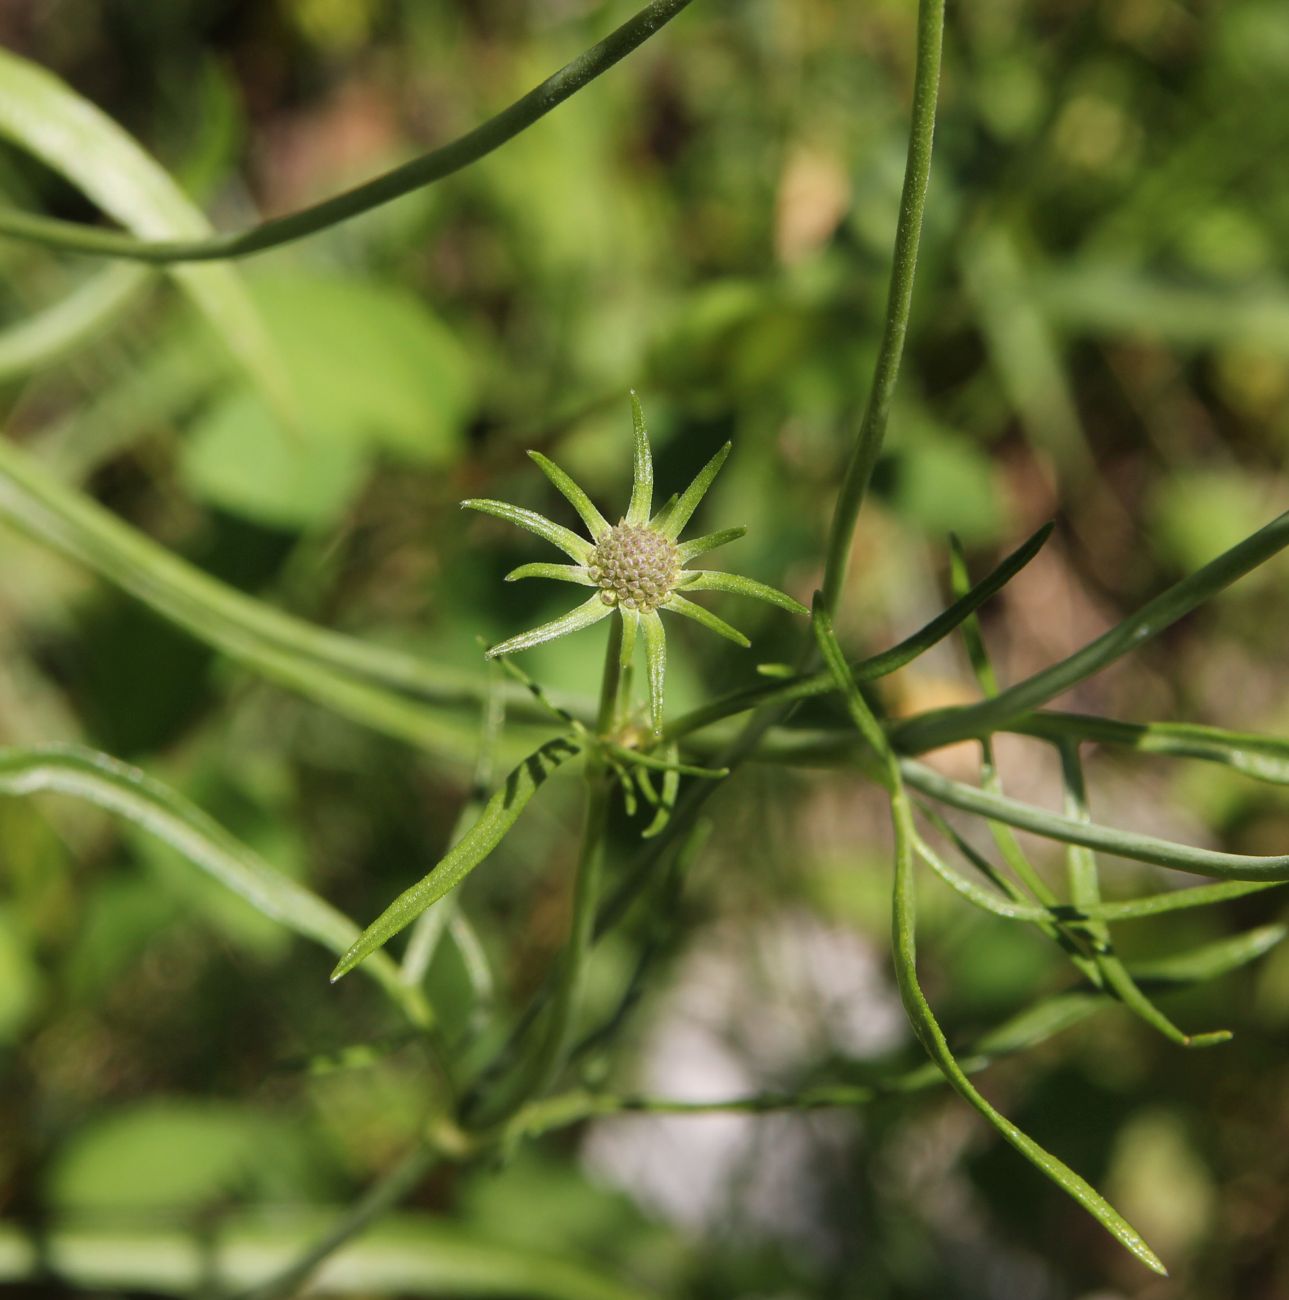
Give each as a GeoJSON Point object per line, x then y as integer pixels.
{"type": "Point", "coordinates": [636, 565]}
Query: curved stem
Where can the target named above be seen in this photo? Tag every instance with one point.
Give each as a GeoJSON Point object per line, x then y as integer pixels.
{"type": "Point", "coordinates": [908, 232]}
{"type": "Point", "coordinates": [452, 157]}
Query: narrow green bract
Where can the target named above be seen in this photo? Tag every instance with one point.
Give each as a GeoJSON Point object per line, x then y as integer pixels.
{"type": "Point", "coordinates": [637, 564]}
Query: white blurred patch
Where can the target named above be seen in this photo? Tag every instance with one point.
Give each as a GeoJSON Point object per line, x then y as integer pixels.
{"type": "Point", "coordinates": [752, 1010]}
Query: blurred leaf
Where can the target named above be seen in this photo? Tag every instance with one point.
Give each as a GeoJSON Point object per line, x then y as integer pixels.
{"type": "Point", "coordinates": [238, 457]}
{"type": "Point", "coordinates": [1195, 514]}
{"type": "Point", "coordinates": [42, 115]}
{"type": "Point", "coordinates": [149, 804]}
{"type": "Point", "coordinates": [175, 1156]}
{"type": "Point", "coordinates": [374, 369]}
{"type": "Point", "coordinates": [944, 484]}
{"type": "Point", "coordinates": [19, 978]}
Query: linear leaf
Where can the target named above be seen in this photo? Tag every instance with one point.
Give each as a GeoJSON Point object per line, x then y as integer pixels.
{"type": "Point", "coordinates": [42, 115]}
{"type": "Point", "coordinates": [916, 1005]}
{"type": "Point", "coordinates": [558, 572]}
{"type": "Point", "coordinates": [1124, 844]}
{"type": "Point", "coordinates": [642, 468]}
{"type": "Point", "coordinates": [879, 665]}
{"type": "Point", "coordinates": [573, 494]}
{"type": "Point", "coordinates": [499, 814]}
{"type": "Point", "coordinates": [588, 613]}
{"type": "Point", "coordinates": [688, 501]}
{"type": "Point", "coordinates": [1264, 758]}
{"type": "Point", "coordinates": [944, 726]}
{"type": "Point", "coordinates": [737, 585]}
{"type": "Point", "coordinates": [164, 813]}
{"type": "Point", "coordinates": [567, 541]}
{"type": "Point", "coordinates": [677, 604]}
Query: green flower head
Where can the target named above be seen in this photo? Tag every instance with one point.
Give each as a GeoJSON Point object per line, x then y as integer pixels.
{"type": "Point", "coordinates": [636, 565]}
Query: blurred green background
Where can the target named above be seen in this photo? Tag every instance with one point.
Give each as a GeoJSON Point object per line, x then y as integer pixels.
{"type": "Point", "coordinates": [1100, 336]}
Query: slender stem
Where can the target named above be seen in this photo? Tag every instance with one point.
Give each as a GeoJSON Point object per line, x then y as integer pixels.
{"type": "Point", "coordinates": [430, 167]}
{"type": "Point", "coordinates": [550, 1049]}
{"type": "Point", "coordinates": [908, 231]}
{"type": "Point", "coordinates": [381, 1197]}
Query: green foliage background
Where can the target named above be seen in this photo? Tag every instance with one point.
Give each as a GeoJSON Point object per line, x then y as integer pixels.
{"type": "Point", "coordinates": [1100, 336]}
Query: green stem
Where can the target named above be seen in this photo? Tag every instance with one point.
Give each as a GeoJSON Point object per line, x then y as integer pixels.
{"type": "Point", "coordinates": [381, 1197]}
{"type": "Point", "coordinates": [433, 166]}
{"type": "Point", "coordinates": [550, 1049]}
{"type": "Point", "coordinates": [908, 231]}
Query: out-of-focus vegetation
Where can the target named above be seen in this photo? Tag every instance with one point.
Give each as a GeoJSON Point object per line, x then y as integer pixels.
{"type": "Point", "coordinates": [1100, 337]}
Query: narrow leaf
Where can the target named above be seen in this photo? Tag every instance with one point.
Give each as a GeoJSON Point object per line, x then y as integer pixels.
{"type": "Point", "coordinates": [736, 584]}
{"type": "Point", "coordinates": [1124, 844]}
{"type": "Point", "coordinates": [578, 499]}
{"type": "Point", "coordinates": [655, 638]}
{"type": "Point", "coordinates": [642, 470]}
{"type": "Point", "coordinates": [677, 604]}
{"type": "Point", "coordinates": [498, 816]}
{"type": "Point", "coordinates": [944, 726]}
{"type": "Point", "coordinates": [164, 813]}
{"type": "Point", "coordinates": [568, 542]}
{"type": "Point", "coordinates": [589, 612]}
{"type": "Point", "coordinates": [689, 499]}
{"type": "Point", "coordinates": [559, 572]}
{"type": "Point", "coordinates": [697, 546]}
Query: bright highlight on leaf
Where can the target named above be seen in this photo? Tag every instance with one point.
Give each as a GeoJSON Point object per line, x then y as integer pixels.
{"type": "Point", "coordinates": [637, 564]}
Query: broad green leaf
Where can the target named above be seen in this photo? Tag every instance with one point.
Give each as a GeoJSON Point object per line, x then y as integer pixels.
{"type": "Point", "coordinates": [162, 812]}
{"type": "Point", "coordinates": [498, 816]}
{"type": "Point", "coordinates": [178, 1156]}
{"type": "Point", "coordinates": [238, 457]}
{"type": "Point", "coordinates": [943, 726]}
{"type": "Point", "coordinates": [42, 115]}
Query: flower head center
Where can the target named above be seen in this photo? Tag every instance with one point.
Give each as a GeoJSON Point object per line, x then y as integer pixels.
{"type": "Point", "coordinates": [634, 566]}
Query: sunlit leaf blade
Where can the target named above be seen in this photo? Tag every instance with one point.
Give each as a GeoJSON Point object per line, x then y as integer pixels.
{"type": "Point", "coordinates": [690, 498]}
{"type": "Point", "coordinates": [1124, 844]}
{"type": "Point", "coordinates": [737, 585]}
{"type": "Point", "coordinates": [655, 639]}
{"type": "Point", "coordinates": [915, 1003]}
{"type": "Point", "coordinates": [164, 813]}
{"type": "Point", "coordinates": [943, 726]}
{"type": "Point", "coordinates": [430, 167]}
{"type": "Point", "coordinates": [495, 821]}
{"type": "Point", "coordinates": [42, 115]}
{"type": "Point", "coordinates": [677, 604]}
{"type": "Point", "coordinates": [642, 468]}
{"type": "Point", "coordinates": [567, 541]}
{"type": "Point", "coordinates": [589, 612]}
{"type": "Point", "coordinates": [558, 572]}
{"type": "Point", "coordinates": [47, 336]}
{"type": "Point", "coordinates": [573, 494]}
{"type": "Point", "coordinates": [1085, 891]}
{"type": "Point", "coordinates": [336, 670]}
{"type": "Point", "coordinates": [1178, 900]}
